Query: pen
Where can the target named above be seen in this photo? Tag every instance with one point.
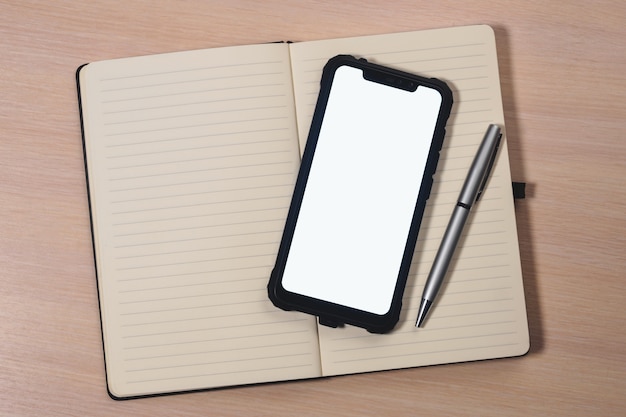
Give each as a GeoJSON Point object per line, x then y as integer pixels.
{"type": "Point", "coordinates": [470, 193]}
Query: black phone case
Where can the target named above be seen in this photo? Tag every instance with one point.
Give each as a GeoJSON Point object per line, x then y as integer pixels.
{"type": "Point", "coordinates": [332, 314]}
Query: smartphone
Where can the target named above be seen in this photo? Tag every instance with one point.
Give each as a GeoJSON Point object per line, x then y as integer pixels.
{"type": "Point", "coordinates": [360, 195]}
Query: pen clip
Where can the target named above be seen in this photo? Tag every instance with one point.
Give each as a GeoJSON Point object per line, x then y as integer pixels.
{"type": "Point", "coordinates": [489, 168]}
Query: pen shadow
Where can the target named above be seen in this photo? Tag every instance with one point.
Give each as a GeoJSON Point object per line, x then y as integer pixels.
{"type": "Point", "coordinates": [518, 173]}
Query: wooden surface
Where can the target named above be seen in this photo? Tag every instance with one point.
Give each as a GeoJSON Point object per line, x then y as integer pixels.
{"type": "Point", "coordinates": [563, 67]}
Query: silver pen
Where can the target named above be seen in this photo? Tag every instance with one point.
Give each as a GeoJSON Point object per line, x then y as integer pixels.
{"type": "Point", "coordinates": [470, 193]}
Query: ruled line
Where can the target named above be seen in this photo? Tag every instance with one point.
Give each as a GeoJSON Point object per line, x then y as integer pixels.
{"type": "Point", "coordinates": [187, 70]}
{"type": "Point", "coordinates": [219, 339]}
{"type": "Point", "coordinates": [205, 317]}
{"type": "Point", "coordinates": [195, 171]}
{"type": "Point", "coordinates": [274, 368]}
{"type": "Point", "coordinates": [203, 158]}
{"type": "Point", "coordinates": [168, 241]}
{"type": "Point", "coordinates": [204, 329]}
{"type": "Point", "coordinates": [206, 181]}
{"type": "Point", "coordinates": [202, 136]}
{"type": "Point", "coordinates": [194, 91]}
{"type": "Point", "coordinates": [190, 251]}
{"type": "Point", "coordinates": [463, 348]}
{"type": "Point", "coordinates": [201, 193]}
{"type": "Point", "coordinates": [192, 103]}
{"type": "Point", "coordinates": [209, 351]}
{"type": "Point", "coordinates": [221, 361]}
{"type": "Point", "coordinates": [164, 129]}
{"type": "Point", "coordinates": [244, 199]}
{"type": "Point", "coordinates": [195, 148]}
{"type": "Point", "coordinates": [185, 115]}
{"type": "Point", "coordinates": [202, 273]}
{"type": "Point", "coordinates": [197, 216]}
{"type": "Point", "coordinates": [204, 306]}
{"type": "Point", "coordinates": [199, 227]}
{"type": "Point", "coordinates": [397, 344]}
{"type": "Point", "coordinates": [189, 81]}
{"type": "Point", "coordinates": [228, 258]}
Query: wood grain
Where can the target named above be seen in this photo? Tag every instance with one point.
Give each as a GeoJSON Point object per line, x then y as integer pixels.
{"type": "Point", "coordinates": [562, 66]}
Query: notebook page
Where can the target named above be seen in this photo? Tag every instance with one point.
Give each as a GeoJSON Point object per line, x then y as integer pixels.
{"type": "Point", "coordinates": [481, 311]}
{"type": "Point", "coordinates": [191, 161]}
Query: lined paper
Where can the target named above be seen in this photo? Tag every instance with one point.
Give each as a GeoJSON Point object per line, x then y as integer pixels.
{"type": "Point", "coordinates": [191, 160]}
{"type": "Point", "coordinates": [481, 311]}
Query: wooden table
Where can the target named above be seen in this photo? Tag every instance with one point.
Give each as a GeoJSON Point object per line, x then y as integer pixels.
{"type": "Point", "coordinates": [563, 70]}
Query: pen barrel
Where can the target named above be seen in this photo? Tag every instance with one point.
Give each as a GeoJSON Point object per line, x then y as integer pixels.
{"type": "Point", "coordinates": [445, 252]}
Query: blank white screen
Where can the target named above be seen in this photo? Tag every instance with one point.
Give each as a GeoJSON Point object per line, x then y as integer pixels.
{"type": "Point", "coordinates": [361, 192]}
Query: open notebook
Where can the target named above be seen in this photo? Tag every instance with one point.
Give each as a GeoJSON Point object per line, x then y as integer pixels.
{"type": "Point", "coordinates": [191, 159]}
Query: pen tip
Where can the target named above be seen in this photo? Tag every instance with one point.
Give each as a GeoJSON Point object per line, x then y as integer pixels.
{"type": "Point", "coordinates": [423, 312]}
